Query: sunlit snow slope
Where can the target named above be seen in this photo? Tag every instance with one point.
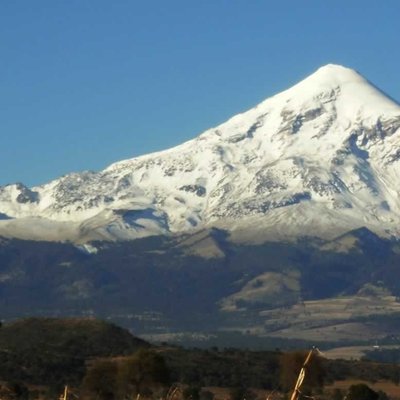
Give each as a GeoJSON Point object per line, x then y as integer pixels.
{"type": "Point", "coordinates": [318, 159]}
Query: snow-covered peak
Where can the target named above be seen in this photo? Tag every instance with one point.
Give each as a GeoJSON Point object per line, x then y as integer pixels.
{"type": "Point", "coordinates": [333, 75]}
{"type": "Point", "coordinates": [317, 159]}
{"type": "Point", "coordinates": [355, 96]}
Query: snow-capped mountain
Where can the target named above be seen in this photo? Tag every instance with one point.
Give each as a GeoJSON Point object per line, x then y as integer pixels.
{"type": "Point", "coordinates": [319, 159]}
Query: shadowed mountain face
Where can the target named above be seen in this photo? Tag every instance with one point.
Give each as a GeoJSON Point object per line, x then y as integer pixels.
{"type": "Point", "coordinates": [162, 287]}
{"type": "Point", "coordinates": [319, 159]}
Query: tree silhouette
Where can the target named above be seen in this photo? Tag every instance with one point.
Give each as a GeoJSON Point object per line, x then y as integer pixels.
{"type": "Point", "coordinates": [100, 381]}
{"type": "Point", "coordinates": [142, 373]}
{"type": "Point", "coordinates": [361, 392]}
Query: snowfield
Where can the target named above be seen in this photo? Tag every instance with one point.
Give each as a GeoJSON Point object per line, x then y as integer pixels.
{"type": "Point", "coordinates": [319, 159]}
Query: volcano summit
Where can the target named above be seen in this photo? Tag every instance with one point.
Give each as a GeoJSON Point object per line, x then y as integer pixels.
{"type": "Point", "coordinates": [319, 159]}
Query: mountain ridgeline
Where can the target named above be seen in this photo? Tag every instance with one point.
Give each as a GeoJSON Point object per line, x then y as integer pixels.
{"type": "Point", "coordinates": [321, 158]}
{"type": "Point", "coordinates": [281, 223]}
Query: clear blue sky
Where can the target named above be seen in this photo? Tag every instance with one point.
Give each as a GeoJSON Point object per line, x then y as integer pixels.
{"type": "Point", "coordinates": [84, 83]}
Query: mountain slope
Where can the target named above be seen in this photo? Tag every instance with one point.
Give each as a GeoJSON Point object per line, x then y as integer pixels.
{"type": "Point", "coordinates": [320, 159]}
{"type": "Point", "coordinates": [160, 286]}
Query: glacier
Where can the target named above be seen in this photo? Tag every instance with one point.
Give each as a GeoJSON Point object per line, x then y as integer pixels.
{"type": "Point", "coordinates": [319, 159]}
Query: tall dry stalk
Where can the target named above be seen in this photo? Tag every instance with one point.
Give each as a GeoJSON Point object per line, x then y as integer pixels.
{"type": "Point", "coordinates": [300, 378]}
{"type": "Point", "coordinates": [172, 392]}
{"type": "Point", "coordinates": [64, 396]}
